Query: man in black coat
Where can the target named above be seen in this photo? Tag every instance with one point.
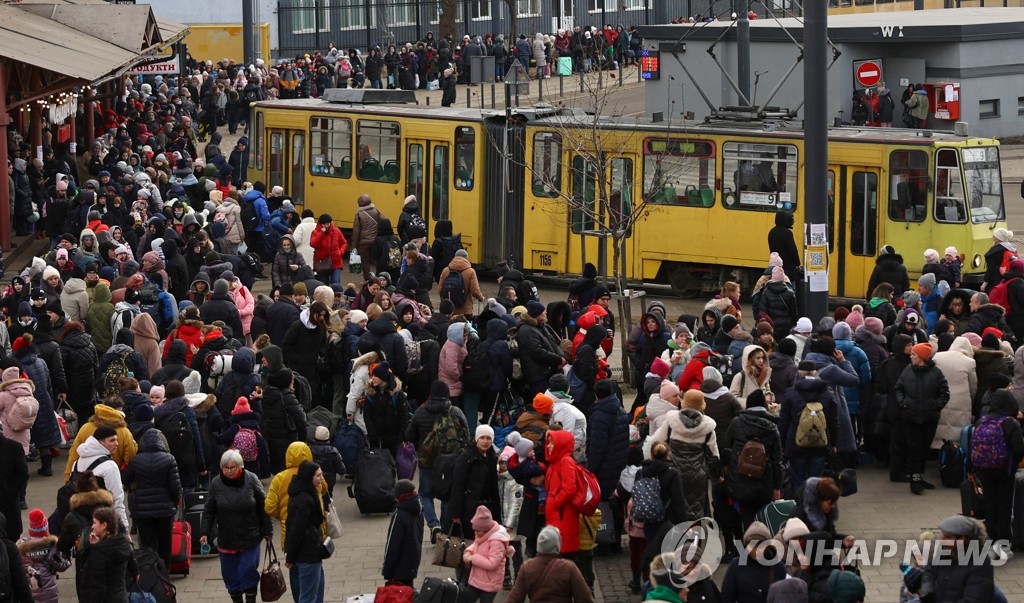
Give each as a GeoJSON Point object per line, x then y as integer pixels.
{"type": "Point", "coordinates": [780, 241]}
{"type": "Point", "coordinates": [222, 307]}
{"type": "Point", "coordinates": [177, 270]}
{"type": "Point", "coordinates": [405, 536]}
{"type": "Point", "coordinates": [154, 473]}
{"type": "Point", "coordinates": [174, 364]}
{"type": "Point", "coordinates": [384, 336]}
{"type": "Point", "coordinates": [13, 481]}
{"type": "Point", "coordinates": [539, 353]}
{"type": "Point", "coordinates": [281, 314]}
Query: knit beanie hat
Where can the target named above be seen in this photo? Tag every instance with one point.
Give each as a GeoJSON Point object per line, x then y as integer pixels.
{"type": "Point", "coordinates": [241, 406]}
{"type": "Point", "coordinates": [103, 432]}
{"type": "Point", "coordinates": [220, 286]}
{"type": "Point", "coordinates": [549, 541]}
{"type": "Point", "coordinates": [299, 289]}
{"type": "Point", "coordinates": [729, 322]}
{"type": "Point", "coordinates": [321, 434]}
{"type": "Point", "coordinates": [157, 390]}
{"type": "Point", "coordinates": [931, 256]}
{"type": "Point", "coordinates": [775, 260]}
{"type": "Point", "coordinates": [710, 373]}
{"type": "Point", "coordinates": [482, 519]}
{"type": "Point", "coordinates": [668, 389]}
{"type": "Point", "coordinates": [927, 281]}
{"type": "Point", "coordinates": [38, 527]}
{"type": "Point", "coordinates": [694, 399]}
{"type": "Point", "coordinates": [543, 404]}
{"type": "Point", "coordinates": [523, 447]}
{"type": "Point", "coordinates": [403, 488]}
{"type": "Point", "coordinates": [382, 371]}
{"type": "Point", "coordinates": [660, 368]}
{"type": "Point", "coordinates": [439, 389]}
{"type": "Point", "coordinates": [534, 308]}
{"type": "Point", "coordinates": [951, 253]}
{"type": "Point", "coordinates": [923, 350]}
{"type": "Point", "coordinates": [21, 343]}
{"type": "Point", "coordinates": [143, 413]}
{"type": "Point", "coordinates": [855, 319]}
{"type": "Point", "coordinates": [874, 324]}
{"type": "Point", "coordinates": [483, 430]}
{"type": "Point", "coordinates": [778, 274]}
{"type": "Point", "coordinates": [558, 383]}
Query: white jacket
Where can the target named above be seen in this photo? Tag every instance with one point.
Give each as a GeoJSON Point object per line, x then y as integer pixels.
{"type": "Point", "coordinates": [960, 370]}
{"type": "Point", "coordinates": [302, 234]}
{"type": "Point", "coordinates": [572, 419]}
{"type": "Point", "coordinates": [88, 452]}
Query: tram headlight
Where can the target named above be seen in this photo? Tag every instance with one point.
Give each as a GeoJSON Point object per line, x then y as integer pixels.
{"type": "Point", "coordinates": [977, 261]}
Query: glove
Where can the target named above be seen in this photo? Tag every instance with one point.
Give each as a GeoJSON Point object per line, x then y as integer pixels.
{"type": "Point", "coordinates": [912, 577]}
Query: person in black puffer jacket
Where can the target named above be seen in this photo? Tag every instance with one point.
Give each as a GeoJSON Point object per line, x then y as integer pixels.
{"type": "Point", "coordinates": [607, 437]}
{"type": "Point", "coordinates": [104, 560]}
{"type": "Point", "coordinates": [405, 536]}
{"type": "Point", "coordinates": [241, 381]}
{"type": "Point", "coordinates": [807, 462]}
{"type": "Point", "coordinates": [222, 307]}
{"type": "Point", "coordinates": [538, 349]}
{"type": "Point", "coordinates": [474, 482]}
{"type": "Point", "coordinates": [234, 512]}
{"type": "Point", "coordinates": [154, 473]}
{"type": "Point", "coordinates": [587, 365]}
{"type": "Point", "coordinates": [889, 268]}
{"type": "Point", "coordinates": [174, 365]}
{"type": "Point", "coordinates": [384, 336]}
{"type": "Point", "coordinates": [190, 469]}
{"type": "Point", "coordinates": [79, 359]}
{"type": "Point", "coordinates": [754, 422]}
{"type": "Point", "coordinates": [214, 340]}
{"type": "Point", "coordinates": [921, 394]}
{"type": "Point", "coordinates": [304, 532]}
{"type": "Point", "coordinates": [302, 344]}
{"type": "Point", "coordinates": [283, 419]}
{"type": "Point", "coordinates": [500, 356]}
{"type": "Point", "coordinates": [177, 270]}
{"type": "Point", "coordinates": [779, 301]}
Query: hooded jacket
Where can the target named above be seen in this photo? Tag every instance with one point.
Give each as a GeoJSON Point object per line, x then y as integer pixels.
{"type": "Point", "coordinates": [476, 477]}
{"type": "Point", "coordinates": [175, 365]}
{"type": "Point", "coordinates": [922, 392]}
{"type": "Point", "coordinates": [147, 340]}
{"type": "Point", "coordinates": [283, 419]}
{"type": "Point", "coordinates": [301, 238]}
{"type": "Point", "coordinates": [470, 283]}
{"type": "Point", "coordinates": [222, 307]}
{"type": "Point", "coordinates": [384, 336]}
{"type": "Point", "coordinates": [280, 315]}
{"type": "Point", "coordinates": [424, 418]}
{"type": "Point", "coordinates": [79, 359]}
{"type": "Point", "coordinates": [690, 429]}
{"type": "Point", "coordinates": [92, 449]}
{"type": "Point", "coordinates": [889, 268]}
{"type": "Point", "coordinates": [281, 271]}
{"type": "Point", "coordinates": [960, 370]}
{"type": "Point", "coordinates": [75, 300]}
{"type": "Point", "coordinates": [488, 568]}
{"type": "Point", "coordinates": [538, 350]}
{"type": "Point", "coordinates": [276, 504]}
{"type": "Point", "coordinates": [402, 548]}
{"type": "Point", "coordinates": [154, 473]}
{"type": "Point", "coordinates": [792, 404]}
{"type": "Point", "coordinates": [607, 442]}
{"type": "Point", "coordinates": [10, 391]}
{"type": "Point", "coordinates": [560, 481]}
{"type": "Point", "coordinates": [100, 569]}
{"type": "Point", "coordinates": [331, 244]}
{"type": "Point", "coordinates": [754, 423]}
{"type": "Point", "coordinates": [162, 413]}
{"type": "Point", "coordinates": [98, 318]}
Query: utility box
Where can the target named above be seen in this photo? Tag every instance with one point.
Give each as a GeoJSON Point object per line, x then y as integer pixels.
{"type": "Point", "coordinates": [481, 70]}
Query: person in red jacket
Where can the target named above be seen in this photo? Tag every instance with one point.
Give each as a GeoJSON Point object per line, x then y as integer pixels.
{"type": "Point", "coordinates": [328, 243]}
{"type": "Point", "coordinates": [693, 374]}
{"type": "Point", "coordinates": [560, 481]}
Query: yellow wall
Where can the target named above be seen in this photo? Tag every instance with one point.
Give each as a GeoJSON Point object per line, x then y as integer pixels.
{"type": "Point", "coordinates": [850, 7]}
{"type": "Point", "coordinates": [215, 42]}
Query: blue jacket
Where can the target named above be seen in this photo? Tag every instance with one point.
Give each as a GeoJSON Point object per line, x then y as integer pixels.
{"type": "Point", "coordinates": [259, 204]}
{"type": "Point", "coordinates": [607, 442]}
{"type": "Point", "coordinates": [859, 360]}
{"type": "Point", "coordinates": [930, 309]}
{"type": "Point", "coordinates": [45, 432]}
{"type": "Point", "coordinates": [279, 222]}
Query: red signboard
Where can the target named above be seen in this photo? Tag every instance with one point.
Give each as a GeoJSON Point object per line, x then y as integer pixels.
{"type": "Point", "coordinates": [869, 73]}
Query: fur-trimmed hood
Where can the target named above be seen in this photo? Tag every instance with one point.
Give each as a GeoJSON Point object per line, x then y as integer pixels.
{"type": "Point", "coordinates": [93, 498]}
{"type": "Point", "coordinates": [26, 546]}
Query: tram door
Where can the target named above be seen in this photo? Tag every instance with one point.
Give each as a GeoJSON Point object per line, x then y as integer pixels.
{"type": "Point", "coordinates": [590, 218]}
{"type": "Point", "coordinates": [286, 152]}
{"type": "Point", "coordinates": [853, 228]}
{"type": "Point", "coordinates": [428, 176]}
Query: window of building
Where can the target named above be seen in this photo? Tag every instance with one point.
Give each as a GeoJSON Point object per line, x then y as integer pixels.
{"type": "Point", "coordinates": [414, 173]}
{"type": "Point", "coordinates": [760, 177]}
{"type": "Point", "coordinates": [351, 14]}
{"type": "Point", "coordinates": [276, 159]}
{"type": "Point", "coordinates": [305, 17]}
{"type": "Point", "coordinates": [546, 168]}
{"type": "Point", "coordinates": [1020, 105]}
{"type": "Point", "coordinates": [830, 185]}
{"type": "Point", "coordinates": [480, 9]}
{"type": "Point", "coordinates": [378, 150]}
{"type": "Point", "coordinates": [864, 214]}
{"type": "Point", "coordinates": [584, 193]}
{"type": "Point", "coordinates": [679, 172]}
{"type": "Point", "coordinates": [403, 13]}
{"type": "Point", "coordinates": [949, 189]}
{"type": "Point", "coordinates": [527, 8]}
{"type": "Point", "coordinates": [330, 143]}
{"type": "Point", "coordinates": [908, 189]}
{"type": "Point", "coordinates": [256, 150]}
{"type": "Point", "coordinates": [465, 158]}
{"type": "Point", "coordinates": [988, 108]}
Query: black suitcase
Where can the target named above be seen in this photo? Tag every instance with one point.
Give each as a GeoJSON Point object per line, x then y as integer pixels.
{"type": "Point", "coordinates": [195, 520]}
{"type": "Point", "coordinates": [374, 483]}
{"type": "Point", "coordinates": [195, 501]}
{"type": "Point", "coordinates": [972, 499]}
{"type": "Point", "coordinates": [436, 590]}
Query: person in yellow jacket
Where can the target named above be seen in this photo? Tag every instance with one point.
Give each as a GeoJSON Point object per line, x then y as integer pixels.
{"type": "Point", "coordinates": [588, 540]}
{"type": "Point", "coordinates": [276, 504]}
{"type": "Point", "coordinates": [105, 415]}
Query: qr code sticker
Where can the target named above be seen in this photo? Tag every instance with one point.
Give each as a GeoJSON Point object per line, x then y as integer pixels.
{"type": "Point", "coordinates": [817, 238]}
{"type": "Point", "coordinates": [816, 259]}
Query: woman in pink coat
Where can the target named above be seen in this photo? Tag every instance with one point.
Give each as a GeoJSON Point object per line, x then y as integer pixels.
{"type": "Point", "coordinates": [243, 299]}
{"type": "Point", "coordinates": [486, 557]}
{"type": "Point", "coordinates": [13, 387]}
{"type": "Point", "coordinates": [453, 354]}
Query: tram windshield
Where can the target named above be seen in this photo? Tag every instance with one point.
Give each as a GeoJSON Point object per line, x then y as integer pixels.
{"type": "Point", "coordinates": [984, 183]}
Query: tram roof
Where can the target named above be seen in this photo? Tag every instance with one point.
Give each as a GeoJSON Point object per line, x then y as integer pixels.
{"type": "Point", "coordinates": [391, 109]}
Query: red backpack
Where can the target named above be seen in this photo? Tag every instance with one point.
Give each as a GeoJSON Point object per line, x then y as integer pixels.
{"type": "Point", "coordinates": [588, 492]}
{"type": "Point", "coordinates": [1000, 294]}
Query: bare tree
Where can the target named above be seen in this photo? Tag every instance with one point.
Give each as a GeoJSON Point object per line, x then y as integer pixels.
{"type": "Point", "coordinates": [513, 21]}
{"type": "Point", "coordinates": [446, 24]}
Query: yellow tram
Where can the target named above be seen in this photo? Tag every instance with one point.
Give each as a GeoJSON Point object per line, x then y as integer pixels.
{"type": "Point", "coordinates": [711, 191]}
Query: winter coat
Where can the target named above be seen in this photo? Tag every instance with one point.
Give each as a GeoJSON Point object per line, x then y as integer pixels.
{"type": "Point", "coordinates": [301, 346]}
{"type": "Point", "coordinates": [684, 431]}
{"type": "Point", "coordinates": [101, 569]}
{"type": "Point", "coordinates": [722, 406]}
{"type": "Point", "coordinates": [386, 413]}
{"type": "Point", "coordinates": [222, 307]}
{"type": "Point", "coordinates": [780, 240]}
{"type": "Point", "coordinates": [423, 419]}
{"type": "Point", "coordinates": [988, 363]}
{"type": "Point", "coordinates": [283, 419]}
{"type": "Point", "coordinates": [453, 354]}
{"type": "Point", "coordinates": [277, 502]}
{"type": "Point", "coordinates": [487, 570]}
{"type": "Point", "coordinates": [859, 360]}
{"type": "Point", "coordinates": [560, 482]}
{"type": "Point", "coordinates": [563, 582]}
{"type": "Point", "coordinates": [607, 442]}
{"type": "Point", "coordinates": [988, 315]}
{"type": "Point", "coordinates": [41, 561]}
{"type": "Point", "coordinates": [889, 268]}
{"type": "Point", "coordinates": [470, 284]}
{"type": "Point", "coordinates": [10, 391]}
{"type": "Point", "coordinates": [246, 304]}
{"type": "Point", "coordinates": [280, 315]}
{"type": "Point", "coordinates": [917, 104]}
{"type": "Point", "coordinates": [784, 372]}
{"type": "Point", "coordinates": [587, 361]}
{"type": "Point", "coordinates": [280, 269]}
{"type": "Point", "coordinates": [364, 226]}
{"type": "Point", "coordinates": [749, 581]}
{"type": "Point", "coordinates": [236, 508]}
{"type": "Point", "coordinates": [404, 543]}
{"type": "Point", "coordinates": [792, 404]}
{"type": "Point", "coordinates": [744, 382]}
{"type": "Point", "coordinates": [301, 239]}
{"type": "Point", "coordinates": [959, 368]}
{"type": "Point", "coordinates": [75, 300]}
{"type": "Point", "coordinates": [383, 334]}
{"type": "Point", "coordinates": [474, 483]}
{"type": "Point", "coordinates": [103, 416]}
{"type": "Point", "coordinates": [539, 353]}
{"type": "Point", "coordinates": [330, 244]}
{"type": "Point", "coordinates": [154, 473]}
{"type": "Point", "coordinates": [754, 423]}
{"type": "Point", "coordinates": [881, 309]}
{"type": "Point", "coordinates": [305, 523]}
{"type": "Point", "coordinates": [79, 358]}
{"type": "Point", "coordinates": [959, 581]}
{"type": "Point", "coordinates": [147, 341]}
{"type": "Point", "coordinates": [996, 258]}
{"type": "Point", "coordinates": [657, 411]}
{"type": "Point", "coordinates": [779, 301]}
{"type": "Point", "coordinates": [45, 432]}
{"type": "Point", "coordinates": [921, 393]}
{"type": "Point", "coordinates": [838, 376]}
{"type": "Point", "coordinates": [90, 451]}
{"type": "Point", "coordinates": [187, 471]}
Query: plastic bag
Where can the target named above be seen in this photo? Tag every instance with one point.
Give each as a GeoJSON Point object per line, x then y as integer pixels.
{"type": "Point", "coordinates": [355, 262]}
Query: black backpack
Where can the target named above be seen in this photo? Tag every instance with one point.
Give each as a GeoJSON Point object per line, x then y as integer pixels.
{"type": "Point", "coordinates": [476, 369]}
{"type": "Point", "coordinates": [180, 441]}
{"type": "Point", "coordinates": [453, 288]}
{"type": "Point", "coordinates": [153, 576]}
{"type": "Point", "coordinates": [250, 219]}
{"type": "Point", "coordinates": [392, 255]}
{"type": "Point", "coordinates": [64, 494]}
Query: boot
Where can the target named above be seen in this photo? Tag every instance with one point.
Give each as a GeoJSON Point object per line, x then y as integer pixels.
{"type": "Point", "coordinates": [46, 462]}
{"type": "Point", "coordinates": [634, 584]}
{"type": "Point", "coordinates": [250, 595]}
{"type": "Point", "coordinates": [236, 597]}
{"type": "Point", "coordinates": [916, 484]}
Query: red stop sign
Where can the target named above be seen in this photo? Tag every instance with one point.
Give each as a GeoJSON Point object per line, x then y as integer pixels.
{"type": "Point", "coordinates": [869, 73]}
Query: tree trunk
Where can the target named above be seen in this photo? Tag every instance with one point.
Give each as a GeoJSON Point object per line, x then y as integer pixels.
{"type": "Point", "coordinates": [446, 25]}
{"type": "Point", "coordinates": [513, 19]}
{"type": "Point", "coordinates": [625, 306]}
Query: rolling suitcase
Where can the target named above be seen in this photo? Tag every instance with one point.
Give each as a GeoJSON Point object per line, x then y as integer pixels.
{"type": "Point", "coordinates": [436, 590]}
{"type": "Point", "coordinates": [181, 547]}
{"type": "Point", "coordinates": [374, 483]}
{"type": "Point", "coordinates": [972, 499]}
{"type": "Point", "coordinates": [1017, 525]}
{"type": "Point", "coordinates": [195, 507]}
{"type": "Point", "coordinates": [775, 514]}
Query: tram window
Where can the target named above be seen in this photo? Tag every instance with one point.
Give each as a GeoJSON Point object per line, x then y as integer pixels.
{"type": "Point", "coordinates": [414, 174]}
{"type": "Point", "coordinates": [330, 147]}
{"type": "Point", "coordinates": [546, 170]}
{"type": "Point", "coordinates": [256, 149]}
{"type": "Point", "coordinates": [949, 189]}
{"type": "Point", "coordinates": [584, 193]}
{"type": "Point", "coordinates": [465, 156]}
{"type": "Point", "coordinates": [679, 172]}
{"type": "Point", "coordinates": [831, 217]}
{"type": "Point", "coordinates": [621, 201]}
{"type": "Point", "coordinates": [908, 189]}
{"type": "Point", "coordinates": [864, 214]}
{"type": "Point", "coordinates": [378, 150]}
{"type": "Point", "coordinates": [439, 178]}
{"type": "Point", "coordinates": [763, 176]}
{"type": "Point", "coordinates": [276, 159]}
{"type": "Point", "coordinates": [298, 182]}
{"type": "Point", "coordinates": [984, 183]}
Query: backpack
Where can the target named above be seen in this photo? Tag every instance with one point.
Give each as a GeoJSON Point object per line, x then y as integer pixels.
{"type": "Point", "coordinates": [154, 579]}
{"type": "Point", "coordinates": [64, 492]}
{"type": "Point", "coordinates": [988, 446]}
{"type": "Point", "coordinates": [252, 261]}
{"type": "Point", "coordinates": [476, 369]}
{"type": "Point", "coordinates": [811, 428]}
{"type": "Point", "coordinates": [1000, 294]}
{"type": "Point", "coordinates": [126, 319]}
{"type": "Point", "coordinates": [453, 288]}
{"type": "Point", "coordinates": [442, 475]}
{"type": "Point", "coordinates": [117, 368]}
{"type": "Point", "coordinates": [247, 444]}
{"type": "Point", "coordinates": [647, 503]}
{"type": "Point", "coordinates": [180, 442]}
{"type": "Point", "coordinates": [414, 355]}
{"type": "Point", "coordinates": [393, 254]}
{"type": "Point", "coordinates": [752, 459]}
{"type": "Point", "coordinates": [250, 219]}
{"type": "Point", "coordinates": [22, 414]}
{"type": "Point", "coordinates": [303, 392]}
{"type": "Point", "coordinates": [952, 466]}
{"type": "Point", "coordinates": [149, 295]}
{"type": "Point", "coordinates": [289, 79]}
{"type": "Point", "coordinates": [332, 357]}
{"type": "Point", "coordinates": [588, 492]}
{"type": "Point", "coordinates": [251, 96]}
{"type": "Point", "coordinates": [447, 436]}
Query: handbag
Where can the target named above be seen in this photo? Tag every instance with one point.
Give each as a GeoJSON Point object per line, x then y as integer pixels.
{"type": "Point", "coordinates": [326, 546]}
{"type": "Point", "coordinates": [334, 527]}
{"type": "Point", "coordinates": [323, 264]}
{"type": "Point", "coordinates": [406, 461]}
{"type": "Point", "coordinates": [448, 550]}
{"type": "Point", "coordinates": [272, 583]}
{"type": "Point", "coordinates": [70, 417]}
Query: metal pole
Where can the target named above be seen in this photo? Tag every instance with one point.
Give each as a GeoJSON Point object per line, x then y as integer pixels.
{"type": "Point", "coordinates": [561, 86]}
{"type": "Point", "coordinates": [743, 49]}
{"type": "Point", "coordinates": [620, 70]}
{"type": "Point", "coordinates": [5, 198]}
{"type": "Point", "coordinates": [316, 26]}
{"type": "Point", "coordinates": [247, 27]}
{"type": "Point", "coordinates": [816, 136]}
